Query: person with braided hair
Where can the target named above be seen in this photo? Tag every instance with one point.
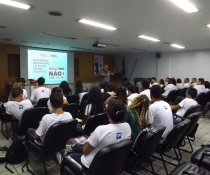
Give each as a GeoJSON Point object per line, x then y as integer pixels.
{"type": "Point", "coordinates": [137, 115]}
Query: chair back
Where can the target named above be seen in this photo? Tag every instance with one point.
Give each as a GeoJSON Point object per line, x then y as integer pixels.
{"type": "Point", "coordinates": [174, 137]}
{"type": "Point", "coordinates": [73, 109]}
{"type": "Point", "coordinates": [94, 121]}
{"type": "Point", "coordinates": [73, 99]}
{"type": "Point", "coordinates": [207, 96]}
{"type": "Point", "coordinates": [58, 134]}
{"type": "Point", "coordinates": [42, 102]}
{"type": "Point", "coordinates": [111, 159]}
{"type": "Point", "coordinates": [201, 98]}
{"type": "Point", "coordinates": [192, 109]}
{"type": "Point", "coordinates": [183, 92]}
{"type": "Point", "coordinates": [172, 96]}
{"type": "Point", "coordinates": [31, 118]}
{"type": "Point", "coordinates": [146, 143]}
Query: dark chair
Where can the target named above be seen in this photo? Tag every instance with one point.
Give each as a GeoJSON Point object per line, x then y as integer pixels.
{"type": "Point", "coordinates": [55, 140]}
{"type": "Point", "coordinates": [201, 99]}
{"type": "Point", "coordinates": [73, 99]}
{"type": "Point", "coordinates": [189, 169]}
{"type": "Point", "coordinates": [31, 118]}
{"type": "Point", "coordinates": [142, 149]}
{"type": "Point", "coordinates": [109, 160]}
{"type": "Point", "coordinates": [207, 96]}
{"type": "Point", "coordinates": [73, 109]}
{"type": "Point", "coordinates": [202, 157]}
{"type": "Point", "coordinates": [183, 92]}
{"type": "Point", "coordinates": [42, 102]}
{"type": "Point", "coordinates": [192, 109]}
{"type": "Point", "coordinates": [94, 121]}
{"type": "Point", "coordinates": [171, 142]}
{"type": "Point", "coordinates": [172, 96]}
{"type": "Point", "coordinates": [84, 98]}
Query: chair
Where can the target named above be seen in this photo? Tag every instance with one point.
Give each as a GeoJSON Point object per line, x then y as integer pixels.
{"type": "Point", "coordinates": [73, 99]}
{"type": "Point", "coordinates": [109, 160]}
{"type": "Point", "coordinates": [94, 121]}
{"type": "Point", "coordinates": [192, 109]}
{"type": "Point", "coordinates": [55, 140]}
{"type": "Point", "coordinates": [183, 92]}
{"type": "Point", "coordinates": [73, 109]}
{"type": "Point", "coordinates": [42, 102]}
{"type": "Point", "coordinates": [142, 149]}
{"type": "Point", "coordinates": [171, 142]}
{"type": "Point", "coordinates": [172, 96]}
{"type": "Point", "coordinates": [189, 169]}
{"type": "Point", "coordinates": [31, 118]}
{"type": "Point", "coordinates": [201, 99]}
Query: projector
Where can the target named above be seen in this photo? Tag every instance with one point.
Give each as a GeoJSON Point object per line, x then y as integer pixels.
{"type": "Point", "coordinates": [99, 45]}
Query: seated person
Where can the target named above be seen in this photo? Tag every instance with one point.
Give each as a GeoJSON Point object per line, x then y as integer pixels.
{"type": "Point", "coordinates": [144, 89]}
{"type": "Point", "coordinates": [186, 83]}
{"type": "Point", "coordinates": [169, 87]}
{"type": "Point", "coordinates": [19, 105]}
{"type": "Point", "coordinates": [109, 91]}
{"type": "Point", "coordinates": [137, 115]}
{"type": "Point", "coordinates": [200, 86]}
{"type": "Point", "coordinates": [160, 113]}
{"type": "Point", "coordinates": [64, 85]}
{"type": "Point", "coordinates": [153, 82]}
{"type": "Point", "coordinates": [41, 91]}
{"type": "Point", "coordinates": [56, 100]}
{"type": "Point", "coordinates": [17, 84]}
{"type": "Point", "coordinates": [105, 134]}
{"type": "Point", "coordinates": [194, 82]}
{"type": "Point", "coordinates": [179, 84]}
{"type": "Point", "coordinates": [132, 93]}
{"type": "Point", "coordinates": [207, 86]}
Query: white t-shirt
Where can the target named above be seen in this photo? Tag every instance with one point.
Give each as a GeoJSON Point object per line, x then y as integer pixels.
{"type": "Point", "coordinates": [40, 92]}
{"type": "Point", "coordinates": [169, 88]}
{"type": "Point", "coordinates": [50, 119]}
{"type": "Point", "coordinates": [160, 114]}
{"type": "Point", "coordinates": [185, 104]}
{"type": "Point", "coordinates": [16, 109]}
{"type": "Point", "coordinates": [186, 85]}
{"type": "Point", "coordinates": [131, 97]}
{"type": "Point", "coordinates": [105, 135]}
{"type": "Point", "coordinates": [179, 86]}
{"type": "Point", "coordinates": [81, 96]}
{"type": "Point", "coordinates": [200, 88]}
{"type": "Point", "coordinates": [25, 94]}
{"type": "Point", "coordinates": [147, 93]}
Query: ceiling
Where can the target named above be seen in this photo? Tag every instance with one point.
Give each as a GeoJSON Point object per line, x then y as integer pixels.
{"type": "Point", "coordinates": [158, 18]}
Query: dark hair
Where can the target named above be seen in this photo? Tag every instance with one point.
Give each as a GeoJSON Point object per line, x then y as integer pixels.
{"type": "Point", "coordinates": [57, 90]}
{"type": "Point", "coordinates": [79, 87]}
{"type": "Point", "coordinates": [173, 81]}
{"type": "Point", "coordinates": [65, 87]}
{"type": "Point", "coordinates": [95, 99]}
{"type": "Point", "coordinates": [162, 81]}
{"type": "Point", "coordinates": [117, 111]}
{"type": "Point", "coordinates": [56, 100]}
{"type": "Point", "coordinates": [121, 94]}
{"type": "Point", "coordinates": [156, 91]}
{"type": "Point", "coordinates": [192, 92]}
{"type": "Point", "coordinates": [110, 87]}
{"type": "Point", "coordinates": [16, 92]}
{"type": "Point", "coordinates": [201, 80]}
{"type": "Point", "coordinates": [187, 79]}
{"type": "Point", "coordinates": [132, 88]}
{"type": "Point", "coordinates": [178, 80]}
{"type": "Point", "coordinates": [41, 81]}
{"type": "Point", "coordinates": [145, 84]}
{"type": "Point", "coordinates": [207, 84]}
{"type": "Point", "coordinates": [153, 78]}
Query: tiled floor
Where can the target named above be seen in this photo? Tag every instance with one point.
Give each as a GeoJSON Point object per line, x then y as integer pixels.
{"type": "Point", "coordinates": [202, 137]}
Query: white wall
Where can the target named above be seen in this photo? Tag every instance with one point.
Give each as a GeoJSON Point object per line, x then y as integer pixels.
{"type": "Point", "coordinates": [173, 64]}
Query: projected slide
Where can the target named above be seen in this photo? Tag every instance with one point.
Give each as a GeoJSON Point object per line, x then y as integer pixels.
{"type": "Point", "coordinates": [48, 64]}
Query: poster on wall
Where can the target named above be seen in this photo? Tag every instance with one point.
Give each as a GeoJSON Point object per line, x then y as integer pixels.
{"type": "Point", "coordinates": [98, 64]}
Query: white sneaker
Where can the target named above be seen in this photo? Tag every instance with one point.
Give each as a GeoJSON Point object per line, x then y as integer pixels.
{"type": "Point", "coordinates": [59, 157]}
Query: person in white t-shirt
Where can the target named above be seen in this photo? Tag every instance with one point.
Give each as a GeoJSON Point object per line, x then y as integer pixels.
{"type": "Point", "coordinates": [19, 105]}
{"type": "Point", "coordinates": [179, 84]}
{"type": "Point", "coordinates": [200, 86]}
{"type": "Point", "coordinates": [186, 103]}
{"type": "Point", "coordinates": [132, 93]}
{"type": "Point", "coordinates": [169, 87]}
{"type": "Point", "coordinates": [186, 83]}
{"type": "Point", "coordinates": [207, 86]}
{"type": "Point", "coordinates": [194, 82]}
{"type": "Point", "coordinates": [17, 84]}
{"type": "Point", "coordinates": [105, 135]}
{"type": "Point", "coordinates": [160, 113]}
{"type": "Point", "coordinates": [58, 114]}
{"type": "Point", "coordinates": [41, 91]}
{"type": "Point", "coordinates": [144, 89]}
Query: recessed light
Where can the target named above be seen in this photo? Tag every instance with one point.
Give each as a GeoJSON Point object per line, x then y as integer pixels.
{"type": "Point", "coordinates": [149, 38]}
{"type": "Point", "coordinates": [97, 24]}
{"type": "Point", "coordinates": [208, 25]}
{"type": "Point", "coordinates": [186, 5]}
{"type": "Point", "coordinates": [177, 46]}
{"type": "Point", "coordinates": [15, 4]}
{"type": "Point", "coordinates": [55, 13]}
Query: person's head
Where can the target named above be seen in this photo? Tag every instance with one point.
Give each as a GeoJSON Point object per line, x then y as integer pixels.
{"type": "Point", "coordinates": [17, 93]}
{"type": "Point", "coordinates": [41, 81]}
{"type": "Point", "coordinates": [155, 92]}
{"type": "Point", "coordinates": [194, 80]}
{"type": "Point", "coordinates": [186, 80]}
{"type": "Point", "coordinates": [162, 81]}
{"type": "Point", "coordinates": [167, 79]}
{"type": "Point", "coordinates": [106, 67]}
{"type": "Point", "coordinates": [65, 87]}
{"type": "Point", "coordinates": [191, 92]}
{"type": "Point", "coordinates": [121, 94]}
{"type": "Point", "coordinates": [116, 111]}
{"type": "Point", "coordinates": [132, 89]}
{"type": "Point", "coordinates": [57, 90]}
{"type": "Point", "coordinates": [94, 95]}
{"type": "Point", "coordinates": [16, 84]}
{"type": "Point", "coordinates": [179, 80]}
{"type": "Point", "coordinates": [145, 84]}
{"type": "Point", "coordinates": [153, 80]}
{"type": "Point", "coordinates": [56, 100]}
{"type": "Point", "coordinates": [140, 101]}
{"type": "Point", "coordinates": [207, 84]}
{"type": "Point", "coordinates": [200, 81]}
{"type": "Point", "coordinates": [173, 81]}
{"type": "Point", "coordinates": [110, 87]}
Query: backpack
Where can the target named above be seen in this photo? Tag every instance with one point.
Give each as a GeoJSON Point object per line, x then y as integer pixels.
{"type": "Point", "coordinates": [15, 153]}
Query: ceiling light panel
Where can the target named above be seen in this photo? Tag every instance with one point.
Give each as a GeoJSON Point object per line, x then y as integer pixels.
{"type": "Point", "coordinates": [97, 24]}
{"type": "Point", "coordinates": [177, 46]}
{"type": "Point", "coordinates": [186, 5]}
{"type": "Point", "coordinates": [15, 4]}
{"type": "Point", "coordinates": [208, 25]}
{"type": "Point", "coordinates": [149, 38]}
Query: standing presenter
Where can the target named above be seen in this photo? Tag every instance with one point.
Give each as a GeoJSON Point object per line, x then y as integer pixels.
{"type": "Point", "coordinates": [105, 76]}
